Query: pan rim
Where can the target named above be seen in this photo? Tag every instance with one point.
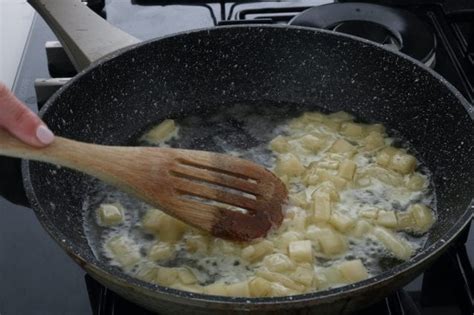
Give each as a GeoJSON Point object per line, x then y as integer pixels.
{"type": "Point", "coordinates": [240, 302]}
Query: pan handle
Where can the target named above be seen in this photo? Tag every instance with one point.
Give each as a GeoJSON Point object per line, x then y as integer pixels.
{"type": "Point", "coordinates": [85, 36]}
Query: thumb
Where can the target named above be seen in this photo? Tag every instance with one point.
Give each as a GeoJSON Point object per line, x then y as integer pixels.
{"type": "Point", "coordinates": [20, 121]}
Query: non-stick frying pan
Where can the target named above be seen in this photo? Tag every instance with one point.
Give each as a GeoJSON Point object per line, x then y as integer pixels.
{"type": "Point", "coordinates": [205, 71]}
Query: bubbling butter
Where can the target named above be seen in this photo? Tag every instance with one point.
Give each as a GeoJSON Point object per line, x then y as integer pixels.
{"type": "Point", "coordinates": [357, 206]}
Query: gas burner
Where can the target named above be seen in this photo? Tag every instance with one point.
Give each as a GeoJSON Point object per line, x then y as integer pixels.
{"type": "Point", "coordinates": [394, 28]}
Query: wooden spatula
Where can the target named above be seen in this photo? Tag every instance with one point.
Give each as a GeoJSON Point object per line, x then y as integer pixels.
{"type": "Point", "coordinates": [196, 187]}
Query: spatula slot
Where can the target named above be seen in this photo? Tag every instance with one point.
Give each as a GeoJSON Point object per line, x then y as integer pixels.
{"type": "Point", "coordinates": [221, 166]}
{"type": "Point", "coordinates": [204, 191]}
{"type": "Point", "coordinates": [218, 181]}
{"type": "Point", "coordinates": [219, 205]}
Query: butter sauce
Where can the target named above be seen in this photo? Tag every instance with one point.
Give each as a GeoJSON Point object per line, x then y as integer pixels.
{"type": "Point", "coordinates": [246, 131]}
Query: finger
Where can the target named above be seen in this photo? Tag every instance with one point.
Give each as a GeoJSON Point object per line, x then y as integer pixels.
{"type": "Point", "coordinates": [21, 121]}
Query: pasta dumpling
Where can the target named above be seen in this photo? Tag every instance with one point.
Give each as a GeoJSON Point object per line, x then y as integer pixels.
{"type": "Point", "coordinates": [110, 214]}
{"type": "Point", "coordinates": [351, 193]}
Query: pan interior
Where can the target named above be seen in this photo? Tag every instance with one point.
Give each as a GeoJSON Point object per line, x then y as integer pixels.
{"type": "Point", "coordinates": [203, 72]}
{"type": "Point", "coordinates": [243, 129]}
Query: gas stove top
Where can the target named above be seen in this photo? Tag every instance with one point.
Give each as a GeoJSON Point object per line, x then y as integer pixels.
{"type": "Point", "coordinates": [36, 277]}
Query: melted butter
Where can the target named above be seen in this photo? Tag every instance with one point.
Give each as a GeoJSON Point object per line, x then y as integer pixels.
{"type": "Point", "coordinates": [246, 134]}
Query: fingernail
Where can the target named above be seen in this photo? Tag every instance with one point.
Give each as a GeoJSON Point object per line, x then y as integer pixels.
{"type": "Point", "coordinates": [44, 135]}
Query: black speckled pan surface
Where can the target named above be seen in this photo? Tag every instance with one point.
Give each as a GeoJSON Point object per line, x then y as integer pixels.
{"type": "Point", "coordinates": [203, 71]}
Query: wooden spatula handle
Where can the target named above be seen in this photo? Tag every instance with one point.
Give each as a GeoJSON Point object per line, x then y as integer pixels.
{"type": "Point", "coordinates": [84, 157]}
{"type": "Point", "coordinates": [58, 152]}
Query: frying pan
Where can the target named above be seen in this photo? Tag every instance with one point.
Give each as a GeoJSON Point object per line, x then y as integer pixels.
{"type": "Point", "coordinates": [126, 85]}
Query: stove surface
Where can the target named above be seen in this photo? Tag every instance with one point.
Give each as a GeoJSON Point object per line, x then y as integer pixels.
{"type": "Point", "coordinates": [37, 277]}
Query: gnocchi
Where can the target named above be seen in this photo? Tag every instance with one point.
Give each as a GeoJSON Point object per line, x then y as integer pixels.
{"type": "Point", "coordinates": [349, 187]}
{"type": "Point", "coordinates": [257, 251]}
{"type": "Point", "coordinates": [166, 227]}
{"type": "Point", "coordinates": [341, 222]}
{"type": "Point", "coordinates": [123, 250]}
{"type": "Point", "coordinates": [353, 271]}
{"type": "Point", "coordinates": [373, 141]}
{"type": "Point", "coordinates": [161, 251]}
{"type": "Point", "coordinates": [301, 251]}
{"type": "Point", "coordinates": [278, 262]}
{"type": "Point", "coordinates": [395, 244]}
{"type": "Point", "coordinates": [321, 206]}
{"type": "Point", "coordinates": [290, 165]}
{"type": "Point", "coordinates": [110, 214]}
{"type": "Point", "coordinates": [342, 146]}
{"type": "Point", "coordinates": [312, 143]}
{"type": "Point", "coordinates": [422, 216]}
{"type": "Point", "coordinates": [260, 287]}
{"type": "Point", "coordinates": [166, 130]}
{"type": "Point", "coordinates": [347, 169]}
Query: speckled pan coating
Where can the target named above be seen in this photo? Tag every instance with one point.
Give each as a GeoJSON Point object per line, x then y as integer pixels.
{"type": "Point", "coordinates": [202, 71]}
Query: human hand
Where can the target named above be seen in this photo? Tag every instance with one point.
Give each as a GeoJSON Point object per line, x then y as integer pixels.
{"type": "Point", "coordinates": [21, 122]}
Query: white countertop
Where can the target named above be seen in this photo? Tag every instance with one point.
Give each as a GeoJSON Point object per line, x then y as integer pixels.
{"type": "Point", "coordinates": [15, 22]}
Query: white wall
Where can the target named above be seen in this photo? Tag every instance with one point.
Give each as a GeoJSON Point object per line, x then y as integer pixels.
{"type": "Point", "coordinates": [15, 22]}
